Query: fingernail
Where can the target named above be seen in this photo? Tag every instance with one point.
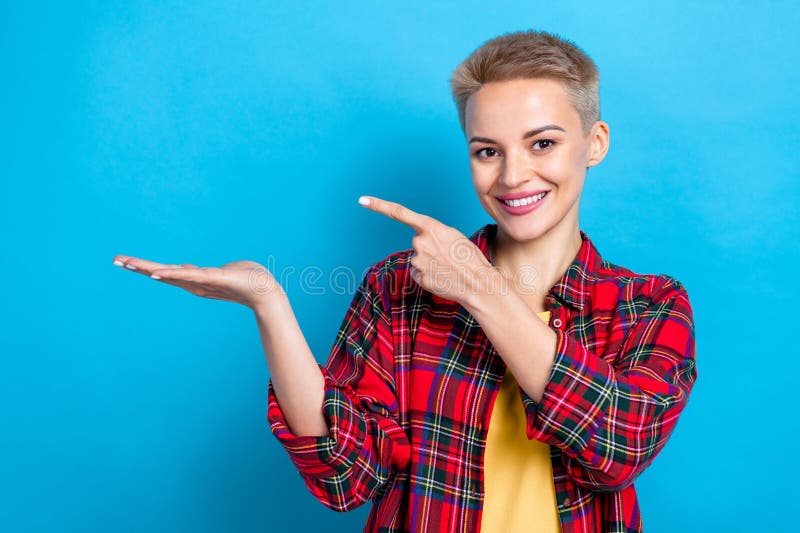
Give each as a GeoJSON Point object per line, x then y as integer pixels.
{"type": "Point", "coordinates": [363, 200]}
{"type": "Point", "coordinates": [118, 262]}
{"type": "Point", "coordinates": [131, 267]}
{"type": "Point", "coordinates": [155, 276]}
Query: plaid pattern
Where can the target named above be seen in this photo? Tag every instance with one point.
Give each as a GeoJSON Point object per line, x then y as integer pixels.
{"type": "Point", "coordinates": [411, 377]}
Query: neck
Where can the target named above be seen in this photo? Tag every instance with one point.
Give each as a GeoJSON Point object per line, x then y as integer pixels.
{"type": "Point", "coordinates": [534, 266]}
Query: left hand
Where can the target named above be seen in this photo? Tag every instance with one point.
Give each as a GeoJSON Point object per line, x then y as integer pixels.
{"type": "Point", "coordinates": [445, 262]}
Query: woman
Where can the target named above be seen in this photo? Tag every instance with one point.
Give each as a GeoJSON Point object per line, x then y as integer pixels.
{"type": "Point", "coordinates": [513, 380]}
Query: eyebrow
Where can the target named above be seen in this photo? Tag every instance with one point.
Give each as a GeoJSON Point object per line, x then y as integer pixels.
{"type": "Point", "coordinates": [531, 133]}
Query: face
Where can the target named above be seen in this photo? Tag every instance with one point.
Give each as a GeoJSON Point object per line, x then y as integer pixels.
{"type": "Point", "coordinates": [524, 139]}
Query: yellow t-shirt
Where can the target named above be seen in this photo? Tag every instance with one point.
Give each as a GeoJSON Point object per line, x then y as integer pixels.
{"type": "Point", "coordinates": [519, 490]}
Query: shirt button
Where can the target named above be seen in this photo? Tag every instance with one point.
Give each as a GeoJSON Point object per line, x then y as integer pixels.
{"type": "Point", "coordinates": [557, 322]}
{"type": "Point", "coordinates": [567, 501]}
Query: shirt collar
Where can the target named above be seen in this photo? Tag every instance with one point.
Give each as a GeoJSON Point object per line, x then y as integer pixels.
{"type": "Point", "coordinates": [574, 286]}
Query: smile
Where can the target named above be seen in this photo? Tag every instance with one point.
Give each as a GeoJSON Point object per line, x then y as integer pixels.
{"type": "Point", "coordinates": [525, 201]}
{"type": "Point", "coordinates": [523, 206]}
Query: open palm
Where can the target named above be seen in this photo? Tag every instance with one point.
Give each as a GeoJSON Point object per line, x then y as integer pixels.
{"type": "Point", "coordinates": [244, 282]}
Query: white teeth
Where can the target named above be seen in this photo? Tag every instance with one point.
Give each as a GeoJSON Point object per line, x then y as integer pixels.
{"type": "Point", "coordinates": [525, 201]}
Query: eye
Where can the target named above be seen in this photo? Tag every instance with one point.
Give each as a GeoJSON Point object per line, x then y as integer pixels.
{"type": "Point", "coordinates": [488, 150]}
{"type": "Point", "coordinates": [547, 142]}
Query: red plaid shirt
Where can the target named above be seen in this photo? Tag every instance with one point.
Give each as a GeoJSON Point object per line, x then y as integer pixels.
{"type": "Point", "coordinates": [411, 378]}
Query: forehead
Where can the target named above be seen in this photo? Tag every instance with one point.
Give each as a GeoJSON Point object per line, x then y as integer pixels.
{"type": "Point", "coordinates": [520, 104]}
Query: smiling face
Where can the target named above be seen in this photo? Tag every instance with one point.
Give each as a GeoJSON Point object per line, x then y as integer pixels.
{"type": "Point", "coordinates": [525, 138]}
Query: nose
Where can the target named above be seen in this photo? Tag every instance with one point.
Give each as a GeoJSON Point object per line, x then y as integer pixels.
{"type": "Point", "coordinates": [515, 171]}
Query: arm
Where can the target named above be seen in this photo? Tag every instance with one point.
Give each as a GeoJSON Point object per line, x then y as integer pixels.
{"type": "Point", "coordinates": [365, 445]}
{"type": "Point", "coordinates": [296, 378]}
{"type": "Point", "coordinates": [609, 420]}
{"type": "Point", "coordinates": [348, 439]}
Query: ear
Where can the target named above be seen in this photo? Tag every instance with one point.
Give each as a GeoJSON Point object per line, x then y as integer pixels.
{"type": "Point", "coordinates": [598, 143]}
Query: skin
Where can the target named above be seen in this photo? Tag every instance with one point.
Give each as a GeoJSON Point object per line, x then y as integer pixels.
{"type": "Point", "coordinates": [445, 262]}
{"type": "Point", "coordinates": [296, 378]}
{"type": "Point", "coordinates": [545, 241]}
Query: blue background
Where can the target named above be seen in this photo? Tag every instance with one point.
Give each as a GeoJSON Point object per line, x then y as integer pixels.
{"type": "Point", "coordinates": [206, 132]}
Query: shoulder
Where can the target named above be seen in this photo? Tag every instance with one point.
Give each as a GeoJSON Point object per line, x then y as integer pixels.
{"type": "Point", "coordinates": [390, 277]}
{"type": "Point", "coordinates": [616, 281]}
{"type": "Point", "coordinates": [388, 269]}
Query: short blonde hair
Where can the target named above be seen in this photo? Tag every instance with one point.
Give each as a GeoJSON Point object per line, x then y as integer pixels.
{"type": "Point", "coordinates": [526, 55]}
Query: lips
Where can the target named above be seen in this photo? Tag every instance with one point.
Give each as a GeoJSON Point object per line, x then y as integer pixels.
{"type": "Point", "coordinates": [523, 209]}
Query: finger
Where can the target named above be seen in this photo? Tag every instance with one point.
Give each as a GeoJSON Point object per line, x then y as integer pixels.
{"type": "Point", "coordinates": [198, 289]}
{"type": "Point", "coordinates": [141, 266]}
{"type": "Point", "coordinates": [183, 284]}
{"type": "Point", "coordinates": [396, 211]}
{"type": "Point", "coordinates": [415, 274]}
{"type": "Point", "coordinates": [179, 274]}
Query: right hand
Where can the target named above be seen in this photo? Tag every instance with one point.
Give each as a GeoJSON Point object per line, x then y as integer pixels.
{"type": "Point", "coordinates": [244, 282]}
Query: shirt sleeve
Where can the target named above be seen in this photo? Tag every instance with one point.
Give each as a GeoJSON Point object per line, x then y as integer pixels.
{"type": "Point", "coordinates": [611, 420]}
{"type": "Point", "coordinates": [366, 443]}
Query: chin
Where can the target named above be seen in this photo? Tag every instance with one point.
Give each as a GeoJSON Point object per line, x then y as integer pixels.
{"type": "Point", "coordinates": [520, 232]}
{"type": "Point", "coordinates": [518, 229]}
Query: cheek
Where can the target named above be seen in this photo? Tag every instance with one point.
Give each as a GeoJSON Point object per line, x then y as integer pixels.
{"type": "Point", "coordinates": [481, 179]}
{"type": "Point", "coordinates": [563, 169]}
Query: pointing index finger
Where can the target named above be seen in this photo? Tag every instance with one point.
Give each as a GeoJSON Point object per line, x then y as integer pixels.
{"type": "Point", "coordinates": [396, 211]}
